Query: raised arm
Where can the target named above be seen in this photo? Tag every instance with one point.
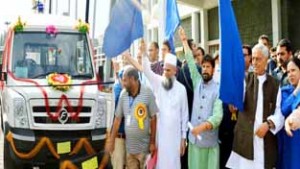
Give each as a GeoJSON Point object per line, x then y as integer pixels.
{"type": "Point", "coordinates": [132, 61]}
{"type": "Point", "coordinates": [195, 75]}
{"type": "Point", "coordinates": [153, 78]}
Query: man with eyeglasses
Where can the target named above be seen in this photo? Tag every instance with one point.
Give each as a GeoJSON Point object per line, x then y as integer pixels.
{"type": "Point", "coordinates": [284, 54]}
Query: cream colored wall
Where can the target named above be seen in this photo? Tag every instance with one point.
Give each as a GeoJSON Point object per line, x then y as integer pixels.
{"type": "Point", "coordinates": [207, 4]}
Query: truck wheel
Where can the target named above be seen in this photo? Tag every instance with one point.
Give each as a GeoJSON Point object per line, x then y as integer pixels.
{"type": "Point", "coordinates": [9, 162]}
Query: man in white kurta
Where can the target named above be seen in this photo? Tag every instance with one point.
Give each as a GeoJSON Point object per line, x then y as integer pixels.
{"type": "Point", "coordinates": [173, 113]}
{"type": "Point", "coordinates": [273, 123]}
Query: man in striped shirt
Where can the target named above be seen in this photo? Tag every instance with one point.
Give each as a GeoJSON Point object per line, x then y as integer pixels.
{"type": "Point", "coordinates": [137, 105]}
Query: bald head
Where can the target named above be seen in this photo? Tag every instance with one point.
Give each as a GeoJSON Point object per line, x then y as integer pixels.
{"type": "Point", "coordinates": [130, 79]}
{"type": "Point", "coordinates": [131, 72]}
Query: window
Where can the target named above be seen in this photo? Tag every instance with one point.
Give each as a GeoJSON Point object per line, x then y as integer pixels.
{"type": "Point", "coordinates": [36, 54]}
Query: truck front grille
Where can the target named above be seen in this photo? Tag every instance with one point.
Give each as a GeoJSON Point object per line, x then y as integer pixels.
{"type": "Point", "coordinates": [40, 116]}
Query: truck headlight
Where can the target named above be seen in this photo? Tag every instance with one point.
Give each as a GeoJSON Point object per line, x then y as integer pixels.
{"type": "Point", "coordinates": [20, 113]}
{"type": "Point", "coordinates": [100, 121]}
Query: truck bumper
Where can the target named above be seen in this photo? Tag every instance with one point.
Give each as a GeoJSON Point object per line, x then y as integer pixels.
{"type": "Point", "coordinates": [53, 148]}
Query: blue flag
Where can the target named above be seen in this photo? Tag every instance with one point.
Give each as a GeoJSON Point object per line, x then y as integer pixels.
{"type": "Point", "coordinates": [125, 26]}
{"type": "Point", "coordinates": [172, 21]}
{"type": "Point", "coordinates": [232, 58]}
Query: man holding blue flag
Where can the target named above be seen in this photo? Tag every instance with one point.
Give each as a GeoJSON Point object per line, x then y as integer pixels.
{"type": "Point", "coordinates": [125, 26]}
{"type": "Point", "coordinates": [260, 118]}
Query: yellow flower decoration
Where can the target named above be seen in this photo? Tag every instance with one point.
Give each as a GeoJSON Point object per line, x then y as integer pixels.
{"type": "Point", "coordinates": [82, 26]}
{"type": "Point", "coordinates": [19, 25]}
{"type": "Point", "coordinates": [140, 113]}
{"type": "Point", "coordinates": [233, 116]}
{"type": "Point", "coordinates": [60, 82]}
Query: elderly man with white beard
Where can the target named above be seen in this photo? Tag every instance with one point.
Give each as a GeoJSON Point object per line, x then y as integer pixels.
{"type": "Point", "coordinates": [173, 111]}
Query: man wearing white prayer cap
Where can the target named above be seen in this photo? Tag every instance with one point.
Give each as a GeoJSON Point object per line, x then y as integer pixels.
{"type": "Point", "coordinates": [171, 99]}
{"type": "Point", "coordinates": [170, 60]}
{"type": "Point", "coordinates": [169, 71]}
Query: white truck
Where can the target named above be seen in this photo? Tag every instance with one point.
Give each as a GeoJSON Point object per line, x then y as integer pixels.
{"type": "Point", "coordinates": [52, 111]}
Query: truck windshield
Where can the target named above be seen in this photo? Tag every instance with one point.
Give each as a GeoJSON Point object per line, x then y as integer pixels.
{"type": "Point", "coordinates": [37, 54]}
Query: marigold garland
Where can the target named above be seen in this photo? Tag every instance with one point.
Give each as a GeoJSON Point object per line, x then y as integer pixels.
{"type": "Point", "coordinates": [44, 141]}
{"type": "Point", "coordinates": [82, 26]}
{"type": "Point", "coordinates": [19, 25]}
{"type": "Point", "coordinates": [83, 143]}
{"type": "Point", "coordinates": [60, 82]}
{"type": "Point", "coordinates": [68, 165]}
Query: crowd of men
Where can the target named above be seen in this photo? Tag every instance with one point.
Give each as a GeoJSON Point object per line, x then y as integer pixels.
{"type": "Point", "coordinates": [156, 101]}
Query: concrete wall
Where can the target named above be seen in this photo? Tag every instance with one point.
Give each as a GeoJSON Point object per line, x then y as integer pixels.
{"type": "Point", "coordinates": [291, 21]}
{"type": "Point", "coordinates": [254, 18]}
{"type": "Point", "coordinates": [186, 24]}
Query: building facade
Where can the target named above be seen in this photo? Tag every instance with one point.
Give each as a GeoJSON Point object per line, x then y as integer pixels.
{"type": "Point", "coordinates": [275, 18]}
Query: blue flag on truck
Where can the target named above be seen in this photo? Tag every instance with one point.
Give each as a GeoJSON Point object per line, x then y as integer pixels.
{"type": "Point", "coordinates": [125, 26]}
{"type": "Point", "coordinates": [232, 58]}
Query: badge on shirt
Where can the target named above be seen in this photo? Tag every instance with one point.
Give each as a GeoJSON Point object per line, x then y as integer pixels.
{"type": "Point", "coordinates": [128, 120]}
{"type": "Point", "coordinates": [140, 113]}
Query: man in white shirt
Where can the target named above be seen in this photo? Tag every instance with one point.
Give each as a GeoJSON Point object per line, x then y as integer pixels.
{"type": "Point", "coordinates": [255, 143]}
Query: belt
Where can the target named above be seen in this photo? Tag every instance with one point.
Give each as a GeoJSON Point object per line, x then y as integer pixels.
{"type": "Point", "coordinates": [121, 135]}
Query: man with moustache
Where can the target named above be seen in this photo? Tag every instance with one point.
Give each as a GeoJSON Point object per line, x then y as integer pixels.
{"type": "Point", "coordinates": [185, 79]}
{"type": "Point", "coordinates": [284, 54]}
{"type": "Point", "coordinates": [137, 106]}
{"type": "Point", "coordinates": [173, 112]}
{"type": "Point", "coordinates": [207, 112]}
